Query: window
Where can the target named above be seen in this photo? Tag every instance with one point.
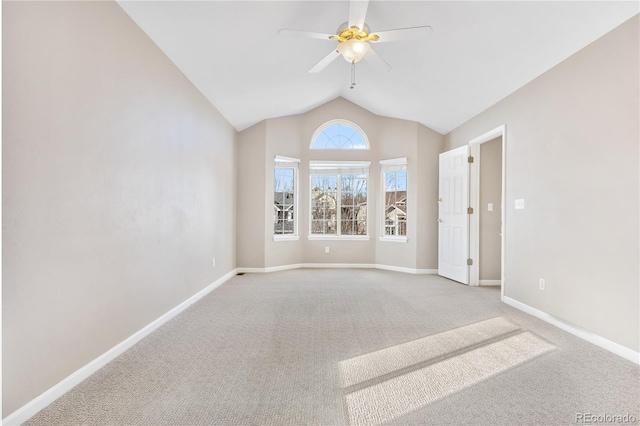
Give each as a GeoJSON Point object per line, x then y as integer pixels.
{"type": "Point", "coordinates": [285, 186]}
{"type": "Point", "coordinates": [338, 199]}
{"type": "Point", "coordinates": [394, 199]}
{"type": "Point", "coordinates": [339, 134]}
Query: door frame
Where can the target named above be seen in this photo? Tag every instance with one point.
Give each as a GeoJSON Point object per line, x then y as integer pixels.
{"type": "Point", "coordinates": [474, 202]}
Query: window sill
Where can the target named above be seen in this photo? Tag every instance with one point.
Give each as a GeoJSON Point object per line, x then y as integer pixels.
{"type": "Point", "coordinates": [339, 237]}
{"type": "Point", "coordinates": [286, 238]}
{"type": "Point", "coordinates": [395, 239]}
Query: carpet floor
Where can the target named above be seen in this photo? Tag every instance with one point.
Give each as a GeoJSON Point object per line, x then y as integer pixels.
{"type": "Point", "coordinates": [345, 346]}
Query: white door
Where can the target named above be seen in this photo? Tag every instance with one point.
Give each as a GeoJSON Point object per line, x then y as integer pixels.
{"type": "Point", "coordinates": [453, 221]}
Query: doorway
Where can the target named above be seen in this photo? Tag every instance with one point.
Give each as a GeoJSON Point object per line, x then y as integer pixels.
{"type": "Point", "coordinates": [487, 188]}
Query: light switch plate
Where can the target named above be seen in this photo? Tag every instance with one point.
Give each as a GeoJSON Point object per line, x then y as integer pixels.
{"type": "Point", "coordinates": [490, 207]}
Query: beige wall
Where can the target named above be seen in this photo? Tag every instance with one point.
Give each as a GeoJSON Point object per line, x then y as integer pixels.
{"type": "Point", "coordinates": [283, 138]}
{"type": "Point", "coordinates": [251, 191]}
{"type": "Point", "coordinates": [397, 138]}
{"type": "Point", "coordinates": [118, 189]}
{"type": "Point", "coordinates": [490, 221]}
{"type": "Point", "coordinates": [430, 145]}
{"type": "Point", "coordinates": [389, 138]}
{"type": "Point", "coordinates": [572, 155]}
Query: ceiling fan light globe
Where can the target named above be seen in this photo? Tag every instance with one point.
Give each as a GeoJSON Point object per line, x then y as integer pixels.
{"type": "Point", "coordinates": [353, 50]}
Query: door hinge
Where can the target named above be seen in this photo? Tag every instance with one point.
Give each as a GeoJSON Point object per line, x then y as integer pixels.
{"type": "Point", "coordinates": [469, 262]}
{"type": "Point", "coordinates": [470, 210]}
{"type": "Point", "coordinates": [470, 159]}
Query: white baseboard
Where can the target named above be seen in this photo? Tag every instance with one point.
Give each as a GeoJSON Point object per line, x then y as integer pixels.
{"type": "Point", "coordinates": [340, 265]}
{"type": "Point", "coordinates": [31, 408]}
{"type": "Point", "coordinates": [269, 269]}
{"type": "Point", "coordinates": [305, 265]}
{"type": "Point", "coordinates": [251, 270]}
{"type": "Point", "coordinates": [427, 271]}
{"type": "Point", "coordinates": [395, 268]}
{"type": "Point", "coordinates": [405, 270]}
{"type": "Point", "coordinates": [490, 282]}
{"type": "Point", "coordinates": [590, 337]}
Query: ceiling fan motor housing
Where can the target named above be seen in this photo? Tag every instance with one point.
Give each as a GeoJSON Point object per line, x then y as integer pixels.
{"type": "Point", "coordinates": [345, 33]}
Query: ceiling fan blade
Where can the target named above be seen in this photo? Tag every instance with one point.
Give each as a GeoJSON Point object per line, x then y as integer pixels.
{"type": "Point", "coordinates": [400, 34]}
{"type": "Point", "coordinates": [357, 13]}
{"type": "Point", "coordinates": [325, 61]}
{"type": "Point", "coordinates": [376, 60]}
{"type": "Point", "coordinates": [306, 34]}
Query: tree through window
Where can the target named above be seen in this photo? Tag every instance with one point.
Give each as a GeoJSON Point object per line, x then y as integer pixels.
{"type": "Point", "coordinates": [339, 198]}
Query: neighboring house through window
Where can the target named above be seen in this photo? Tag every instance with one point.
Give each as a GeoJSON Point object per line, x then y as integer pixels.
{"type": "Point", "coordinates": [394, 197]}
{"type": "Point", "coordinates": [285, 198]}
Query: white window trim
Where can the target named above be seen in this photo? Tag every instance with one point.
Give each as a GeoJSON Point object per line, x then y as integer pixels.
{"type": "Point", "coordinates": [339, 121]}
{"type": "Point", "coordinates": [334, 237]}
{"type": "Point", "coordinates": [338, 168]}
{"type": "Point", "coordinates": [282, 162]}
{"type": "Point", "coordinates": [394, 238]}
{"type": "Point", "coordinates": [286, 162]}
{"type": "Point", "coordinates": [391, 165]}
{"type": "Point", "coordinates": [285, 237]}
{"type": "Point", "coordinates": [388, 165]}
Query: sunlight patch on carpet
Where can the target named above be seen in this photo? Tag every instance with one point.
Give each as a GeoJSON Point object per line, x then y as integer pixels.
{"type": "Point", "coordinates": [401, 395]}
{"type": "Point", "coordinates": [376, 364]}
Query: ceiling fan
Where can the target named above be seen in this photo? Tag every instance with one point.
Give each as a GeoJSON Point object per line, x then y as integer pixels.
{"type": "Point", "coordinates": [354, 38]}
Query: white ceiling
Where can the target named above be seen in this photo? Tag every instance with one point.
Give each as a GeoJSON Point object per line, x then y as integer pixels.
{"type": "Point", "coordinates": [479, 53]}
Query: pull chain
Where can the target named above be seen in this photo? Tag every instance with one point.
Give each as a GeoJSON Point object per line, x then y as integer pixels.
{"type": "Point", "coordinates": [353, 75]}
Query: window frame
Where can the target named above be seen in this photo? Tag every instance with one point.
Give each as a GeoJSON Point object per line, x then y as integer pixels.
{"type": "Point", "coordinates": [338, 169]}
{"type": "Point", "coordinates": [386, 166]}
{"type": "Point", "coordinates": [330, 123]}
{"type": "Point", "coordinates": [282, 162]}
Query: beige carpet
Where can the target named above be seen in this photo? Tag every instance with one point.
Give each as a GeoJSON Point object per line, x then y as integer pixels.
{"type": "Point", "coordinates": [389, 400]}
{"type": "Point", "coordinates": [411, 354]}
{"type": "Point", "coordinates": [352, 346]}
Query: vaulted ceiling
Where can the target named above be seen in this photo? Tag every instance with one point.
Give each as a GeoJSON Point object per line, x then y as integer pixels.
{"type": "Point", "coordinates": [479, 53]}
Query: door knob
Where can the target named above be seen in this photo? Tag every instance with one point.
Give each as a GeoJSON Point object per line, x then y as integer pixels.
{"type": "Point", "coordinates": [440, 220]}
{"type": "Point", "coordinates": [439, 200]}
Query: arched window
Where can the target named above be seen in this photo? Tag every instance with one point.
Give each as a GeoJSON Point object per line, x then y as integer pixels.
{"type": "Point", "coordinates": [339, 134]}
